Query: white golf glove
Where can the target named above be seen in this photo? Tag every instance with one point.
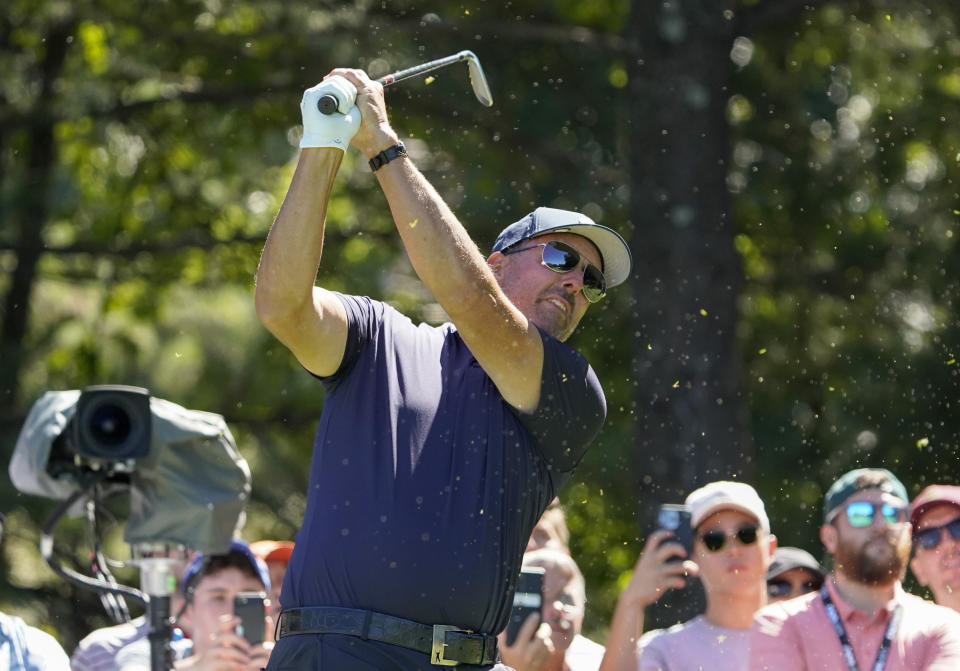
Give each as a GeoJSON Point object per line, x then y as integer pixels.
{"type": "Point", "coordinates": [330, 130]}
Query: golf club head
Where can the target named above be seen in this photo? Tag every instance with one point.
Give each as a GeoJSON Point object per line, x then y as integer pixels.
{"type": "Point", "coordinates": [478, 80]}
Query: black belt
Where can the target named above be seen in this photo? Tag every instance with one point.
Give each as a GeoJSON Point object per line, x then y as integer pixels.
{"type": "Point", "coordinates": [446, 645]}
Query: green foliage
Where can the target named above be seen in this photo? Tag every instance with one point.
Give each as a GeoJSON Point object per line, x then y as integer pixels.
{"type": "Point", "coordinates": [174, 129]}
{"type": "Point", "coordinates": [847, 217]}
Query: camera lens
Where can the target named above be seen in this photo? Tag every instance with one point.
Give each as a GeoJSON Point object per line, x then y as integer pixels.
{"type": "Point", "coordinates": [110, 425]}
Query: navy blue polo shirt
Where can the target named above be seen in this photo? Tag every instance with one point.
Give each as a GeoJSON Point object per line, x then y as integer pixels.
{"type": "Point", "coordinates": [425, 484]}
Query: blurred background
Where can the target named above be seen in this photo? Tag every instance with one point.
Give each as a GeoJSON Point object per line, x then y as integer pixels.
{"type": "Point", "coordinates": [786, 173]}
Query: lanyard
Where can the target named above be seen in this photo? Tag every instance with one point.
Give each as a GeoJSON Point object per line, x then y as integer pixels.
{"type": "Point", "coordinates": [882, 653]}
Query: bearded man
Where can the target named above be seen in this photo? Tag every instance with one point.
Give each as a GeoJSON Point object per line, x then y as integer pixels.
{"type": "Point", "coordinates": [861, 618]}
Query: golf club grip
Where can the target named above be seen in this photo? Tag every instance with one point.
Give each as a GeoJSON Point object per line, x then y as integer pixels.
{"type": "Point", "coordinates": [328, 104]}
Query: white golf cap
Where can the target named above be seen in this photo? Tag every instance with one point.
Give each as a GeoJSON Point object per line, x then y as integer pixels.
{"type": "Point", "coordinates": [614, 250]}
{"type": "Point", "coordinates": [726, 495]}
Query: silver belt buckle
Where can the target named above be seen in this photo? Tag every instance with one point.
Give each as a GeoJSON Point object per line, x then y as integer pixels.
{"type": "Point", "coordinates": [439, 638]}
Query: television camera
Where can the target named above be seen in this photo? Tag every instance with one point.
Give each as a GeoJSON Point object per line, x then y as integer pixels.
{"type": "Point", "coordinates": [186, 481]}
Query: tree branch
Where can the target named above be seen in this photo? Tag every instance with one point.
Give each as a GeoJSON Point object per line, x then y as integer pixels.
{"type": "Point", "coordinates": [772, 12]}
{"type": "Point", "coordinates": [177, 245]}
{"type": "Point", "coordinates": [280, 81]}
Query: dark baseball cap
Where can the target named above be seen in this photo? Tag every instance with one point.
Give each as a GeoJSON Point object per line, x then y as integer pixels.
{"type": "Point", "coordinates": [237, 547]}
{"type": "Point", "coordinates": [934, 495]}
{"type": "Point", "coordinates": [858, 480]}
{"type": "Point", "coordinates": [614, 250]}
{"type": "Point", "coordinates": [787, 558]}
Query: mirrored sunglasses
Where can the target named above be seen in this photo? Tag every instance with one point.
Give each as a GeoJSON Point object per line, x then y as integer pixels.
{"type": "Point", "coordinates": [931, 537]}
{"type": "Point", "coordinates": [715, 540]}
{"type": "Point", "coordinates": [779, 588]}
{"type": "Point", "coordinates": [862, 513]}
{"type": "Point", "coordinates": [562, 258]}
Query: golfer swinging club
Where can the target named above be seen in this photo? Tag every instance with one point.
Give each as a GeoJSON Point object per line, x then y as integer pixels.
{"type": "Point", "coordinates": [438, 448]}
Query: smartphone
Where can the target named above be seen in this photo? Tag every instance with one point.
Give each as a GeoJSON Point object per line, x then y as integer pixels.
{"type": "Point", "coordinates": [675, 517]}
{"type": "Point", "coordinates": [251, 608]}
{"type": "Point", "coordinates": [526, 600]}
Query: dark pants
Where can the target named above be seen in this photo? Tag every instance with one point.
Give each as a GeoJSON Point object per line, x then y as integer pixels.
{"type": "Point", "coordinates": [337, 652]}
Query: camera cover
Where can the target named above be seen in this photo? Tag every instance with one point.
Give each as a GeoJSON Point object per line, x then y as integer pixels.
{"type": "Point", "coordinates": [190, 489]}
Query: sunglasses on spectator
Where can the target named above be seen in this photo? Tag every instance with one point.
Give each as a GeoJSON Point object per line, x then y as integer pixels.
{"type": "Point", "coordinates": [862, 513]}
{"type": "Point", "coordinates": [931, 537]}
{"type": "Point", "coordinates": [562, 258]}
{"type": "Point", "coordinates": [715, 540]}
{"type": "Point", "coordinates": [779, 588]}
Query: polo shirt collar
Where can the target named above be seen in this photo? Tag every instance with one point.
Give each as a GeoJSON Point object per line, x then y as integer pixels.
{"type": "Point", "coordinates": [846, 611]}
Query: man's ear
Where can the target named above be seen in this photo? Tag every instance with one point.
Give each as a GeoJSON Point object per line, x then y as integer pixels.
{"type": "Point", "coordinates": [828, 536]}
{"type": "Point", "coordinates": [919, 573]}
{"type": "Point", "coordinates": [495, 261]}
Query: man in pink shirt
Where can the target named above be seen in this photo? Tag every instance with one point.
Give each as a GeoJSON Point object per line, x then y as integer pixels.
{"type": "Point", "coordinates": [861, 618]}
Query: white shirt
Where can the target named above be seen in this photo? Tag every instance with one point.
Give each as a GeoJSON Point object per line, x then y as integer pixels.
{"type": "Point", "coordinates": [583, 654]}
{"type": "Point", "coordinates": [123, 647]}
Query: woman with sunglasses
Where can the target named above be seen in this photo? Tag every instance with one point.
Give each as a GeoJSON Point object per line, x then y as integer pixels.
{"type": "Point", "coordinates": [935, 518]}
{"type": "Point", "coordinates": [792, 573]}
{"type": "Point", "coordinates": [732, 548]}
{"type": "Point", "coordinates": [861, 619]}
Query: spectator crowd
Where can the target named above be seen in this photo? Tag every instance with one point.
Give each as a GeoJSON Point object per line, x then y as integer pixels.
{"type": "Point", "coordinates": [768, 607]}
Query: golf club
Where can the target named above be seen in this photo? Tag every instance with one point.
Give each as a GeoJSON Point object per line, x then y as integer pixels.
{"type": "Point", "coordinates": [329, 103]}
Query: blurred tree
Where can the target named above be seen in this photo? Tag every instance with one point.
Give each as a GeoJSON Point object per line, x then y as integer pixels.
{"type": "Point", "coordinates": [844, 171]}
{"type": "Point", "coordinates": [693, 429]}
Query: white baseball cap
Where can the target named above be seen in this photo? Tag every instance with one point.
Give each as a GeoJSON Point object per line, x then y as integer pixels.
{"type": "Point", "coordinates": [726, 495]}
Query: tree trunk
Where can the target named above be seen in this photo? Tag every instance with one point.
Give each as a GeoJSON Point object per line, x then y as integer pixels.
{"type": "Point", "coordinates": [692, 428]}
{"type": "Point", "coordinates": [29, 214]}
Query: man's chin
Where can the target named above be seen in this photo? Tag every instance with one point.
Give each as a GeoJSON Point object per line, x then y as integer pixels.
{"type": "Point", "coordinates": [557, 327]}
{"type": "Point", "coordinates": [877, 564]}
{"type": "Point", "coordinates": [562, 638]}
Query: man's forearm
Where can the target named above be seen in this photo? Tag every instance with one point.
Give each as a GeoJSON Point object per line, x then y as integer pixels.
{"type": "Point", "coordinates": [291, 255]}
{"type": "Point", "coordinates": [625, 630]}
{"type": "Point", "coordinates": [507, 346]}
{"type": "Point", "coordinates": [444, 256]}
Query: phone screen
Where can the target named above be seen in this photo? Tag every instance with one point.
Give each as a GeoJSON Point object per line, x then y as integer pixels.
{"type": "Point", "coordinates": [676, 518]}
{"type": "Point", "coordinates": [251, 608]}
{"type": "Point", "coordinates": [526, 600]}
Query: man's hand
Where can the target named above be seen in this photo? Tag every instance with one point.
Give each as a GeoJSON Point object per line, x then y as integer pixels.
{"type": "Point", "coordinates": [375, 133]}
{"type": "Point", "coordinates": [329, 130]}
{"type": "Point", "coordinates": [225, 651]}
{"type": "Point", "coordinates": [654, 573]}
{"type": "Point", "coordinates": [530, 651]}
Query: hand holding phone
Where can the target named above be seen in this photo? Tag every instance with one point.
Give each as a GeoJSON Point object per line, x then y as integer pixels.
{"type": "Point", "coordinates": [251, 608]}
{"type": "Point", "coordinates": [528, 599]}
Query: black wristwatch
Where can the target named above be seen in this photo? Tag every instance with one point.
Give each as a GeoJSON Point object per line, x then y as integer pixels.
{"type": "Point", "coordinates": [387, 155]}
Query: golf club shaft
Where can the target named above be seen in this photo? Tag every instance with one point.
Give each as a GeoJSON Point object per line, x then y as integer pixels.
{"type": "Point", "coordinates": [329, 103]}
{"type": "Point", "coordinates": [415, 70]}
